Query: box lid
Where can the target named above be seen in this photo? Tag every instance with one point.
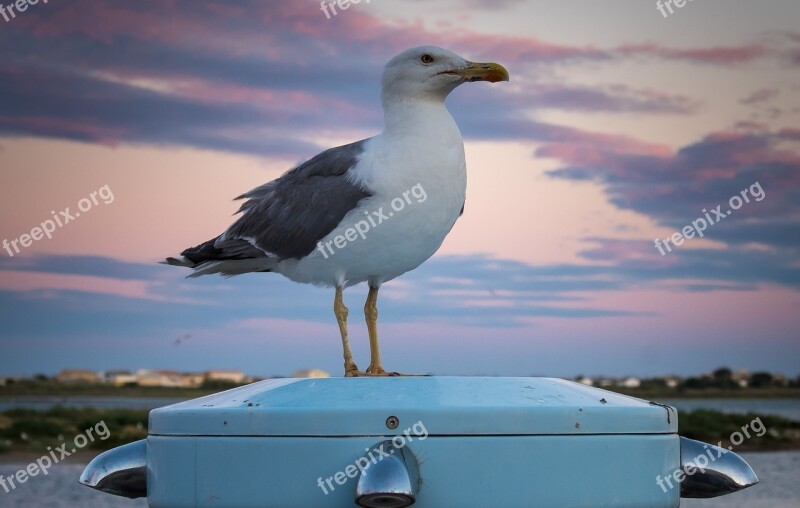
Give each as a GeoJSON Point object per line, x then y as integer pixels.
{"type": "Point", "coordinates": [445, 406]}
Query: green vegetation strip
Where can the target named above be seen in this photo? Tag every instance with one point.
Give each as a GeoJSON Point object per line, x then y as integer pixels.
{"type": "Point", "coordinates": [27, 430]}
{"type": "Point", "coordinates": [49, 389]}
{"type": "Point", "coordinates": [778, 433]}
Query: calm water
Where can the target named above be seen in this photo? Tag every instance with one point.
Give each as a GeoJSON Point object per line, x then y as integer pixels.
{"type": "Point", "coordinates": [45, 403]}
{"type": "Point", "coordinates": [59, 489]}
{"type": "Point", "coordinates": [788, 408]}
{"type": "Point", "coordinates": [779, 488]}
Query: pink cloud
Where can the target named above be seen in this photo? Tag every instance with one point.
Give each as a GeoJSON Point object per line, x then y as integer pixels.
{"type": "Point", "coordinates": [716, 55]}
{"type": "Point", "coordinates": [759, 96]}
{"type": "Point", "coordinates": [172, 24]}
{"type": "Point", "coordinates": [630, 253]}
{"type": "Point", "coordinates": [25, 281]}
{"type": "Point", "coordinates": [58, 126]}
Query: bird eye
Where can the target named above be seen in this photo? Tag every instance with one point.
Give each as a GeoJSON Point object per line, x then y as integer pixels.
{"type": "Point", "coordinates": [426, 59]}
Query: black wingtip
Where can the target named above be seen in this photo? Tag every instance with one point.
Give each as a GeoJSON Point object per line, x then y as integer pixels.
{"type": "Point", "coordinates": [178, 262]}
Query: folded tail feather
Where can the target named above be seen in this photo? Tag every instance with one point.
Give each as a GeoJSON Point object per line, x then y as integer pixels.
{"type": "Point", "coordinates": [229, 257]}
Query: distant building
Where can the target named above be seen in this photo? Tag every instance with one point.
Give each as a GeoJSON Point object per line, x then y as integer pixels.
{"type": "Point", "coordinates": [228, 376]}
{"type": "Point", "coordinates": [584, 380]}
{"type": "Point", "coordinates": [631, 382]}
{"type": "Point", "coordinates": [152, 378]}
{"type": "Point", "coordinates": [741, 377]}
{"type": "Point", "coordinates": [311, 373]}
{"type": "Point", "coordinates": [77, 376]}
{"type": "Point", "coordinates": [168, 379]}
{"type": "Point", "coordinates": [671, 381]}
{"type": "Point", "coordinates": [119, 377]}
{"type": "Point", "coordinates": [2, 381]}
{"type": "Point", "coordinates": [193, 380]}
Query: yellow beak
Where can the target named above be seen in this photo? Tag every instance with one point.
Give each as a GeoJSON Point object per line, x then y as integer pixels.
{"type": "Point", "coordinates": [479, 71]}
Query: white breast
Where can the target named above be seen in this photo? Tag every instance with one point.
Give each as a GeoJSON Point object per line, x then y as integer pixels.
{"type": "Point", "coordinates": [418, 180]}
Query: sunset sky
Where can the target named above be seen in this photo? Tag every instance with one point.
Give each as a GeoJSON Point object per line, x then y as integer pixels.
{"type": "Point", "coordinates": [619, 126]}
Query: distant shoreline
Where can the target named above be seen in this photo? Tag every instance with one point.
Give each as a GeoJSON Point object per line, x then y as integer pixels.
{"type": "Point", "coordinates": [711, 393]}
{"type": "Point", "coordinates": [56, 391]}
{"type": "Point", "coordinates": [76, 392]}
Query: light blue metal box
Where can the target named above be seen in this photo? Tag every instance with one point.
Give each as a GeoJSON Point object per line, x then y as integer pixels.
{"type": "Point", "coordinates": [436, 442]}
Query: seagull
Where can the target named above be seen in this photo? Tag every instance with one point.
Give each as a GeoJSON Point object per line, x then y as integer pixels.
{"type": "Point", "coordinates": [368, 211]}
{"type": "Point", "coordinates": [180, 340]}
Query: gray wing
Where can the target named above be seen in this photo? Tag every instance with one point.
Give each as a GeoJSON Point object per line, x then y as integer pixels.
{"type": "Point", "coordinates": [288, 216]}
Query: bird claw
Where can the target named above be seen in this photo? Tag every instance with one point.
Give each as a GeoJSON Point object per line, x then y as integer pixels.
{"type": "Point", "coordinates": [377, 373]}
{"type": "Point", "coordinates": [381, 372]}
{"type": "Point", "coordinates": [361, 373]}
{"type": "Point", "coordinates": [352, 372]}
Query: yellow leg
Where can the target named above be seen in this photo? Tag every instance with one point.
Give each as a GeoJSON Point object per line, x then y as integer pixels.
{"type": "Point", "coordinates": [341, 312]}
{"type": "Point", "coordinates": [371, 315]}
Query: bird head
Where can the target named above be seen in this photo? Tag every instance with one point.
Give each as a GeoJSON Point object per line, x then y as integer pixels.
{"type": "Point", "coordinates": [432, 72]}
